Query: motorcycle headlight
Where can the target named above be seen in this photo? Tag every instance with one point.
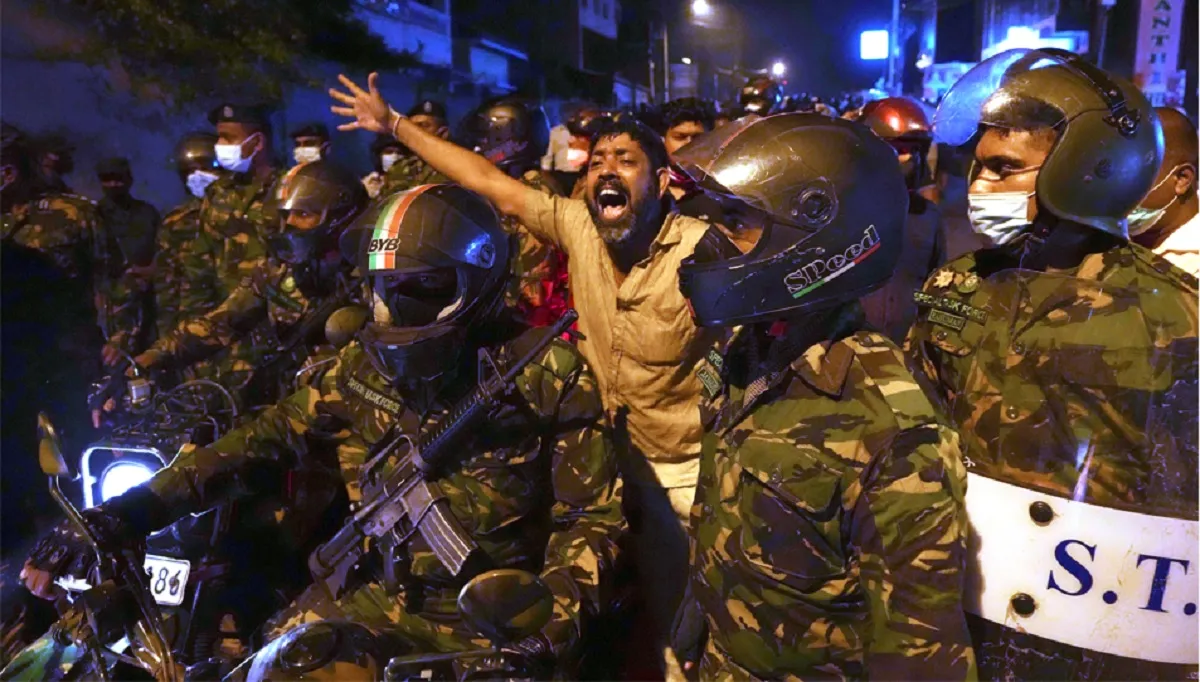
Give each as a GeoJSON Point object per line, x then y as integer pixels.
{"type": "Point", "coordinates": [110, 469]}
{"type": "Point", "coordinates": [121, 476]}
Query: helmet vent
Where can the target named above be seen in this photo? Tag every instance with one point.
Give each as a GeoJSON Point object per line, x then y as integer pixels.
{"type": "Point", "coordinates": [814, 207]}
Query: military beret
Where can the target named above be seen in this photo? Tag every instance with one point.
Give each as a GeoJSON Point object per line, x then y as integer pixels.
{"type": "Point", "coordinates": [311, 130]}
{"type": "Point", "coordinates": [113, 166]}
{"type": "Point", "coordinates": [428, 107]}
{"type": "Point", "coordinates": [253, 114]}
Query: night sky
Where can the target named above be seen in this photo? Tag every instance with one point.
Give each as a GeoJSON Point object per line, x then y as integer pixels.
{"type": "Point", "coordinates": [818, 39]}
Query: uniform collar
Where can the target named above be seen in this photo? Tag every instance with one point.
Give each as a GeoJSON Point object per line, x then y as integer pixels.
{"type": "Point", "coordinates": [825, 365]}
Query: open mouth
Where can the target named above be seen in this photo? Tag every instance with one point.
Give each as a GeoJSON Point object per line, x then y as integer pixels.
{"type": "Point", "coordinates": [613, 202]}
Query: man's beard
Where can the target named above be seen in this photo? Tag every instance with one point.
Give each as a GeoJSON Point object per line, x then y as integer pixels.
{"type": "Point", "coordinates": [637, 218]}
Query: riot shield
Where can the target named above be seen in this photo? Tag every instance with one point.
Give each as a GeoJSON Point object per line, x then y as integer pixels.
{"type": "Point", "coordinates": [1077, 405]}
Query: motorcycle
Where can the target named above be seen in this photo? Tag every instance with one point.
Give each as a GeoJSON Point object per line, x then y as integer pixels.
{"type": "Point", "coordinates": [115, 629]}
{"type": "Point", "coordinates": [503, 606]}
{"type": "Point", "coordinates": [200, 578]}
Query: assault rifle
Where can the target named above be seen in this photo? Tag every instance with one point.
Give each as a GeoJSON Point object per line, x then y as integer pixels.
{"type": "Point", "coordinates": [406, 498]}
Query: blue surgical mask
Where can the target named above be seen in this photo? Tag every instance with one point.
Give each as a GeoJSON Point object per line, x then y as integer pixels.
{"type": "Point", "coordinates": [199, 181]}
{"type": "Point", "coordinates": [230, 156]}
{"type": "Point", "coordinates": [999, 216]}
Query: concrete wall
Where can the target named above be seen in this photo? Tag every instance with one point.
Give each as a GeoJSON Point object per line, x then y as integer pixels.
{"type": "Point", "coordinates": [97, 110]}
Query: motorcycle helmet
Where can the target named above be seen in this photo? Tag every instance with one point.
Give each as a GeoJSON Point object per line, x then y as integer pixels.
{"type": "Point", "coordinates": [436, 261]}
{"type": "Point", "coordinates": [315, 202]}
{"type": "Point", "coordinates": [1109, 142]}
{"type": "Point", "coordinates": [761, 95]}
{"type": "Point", "coordinates": [511, 132]}
{"type": "Point", "coordinates": [195, 151]}
{"type": "Point", "coordinates": [830, 202]}
{"type": "Point", "coordinates": [902, 121]}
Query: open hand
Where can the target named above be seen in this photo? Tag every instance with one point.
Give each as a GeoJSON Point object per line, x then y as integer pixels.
{"type": "Point", "coordinates": [366, 107]}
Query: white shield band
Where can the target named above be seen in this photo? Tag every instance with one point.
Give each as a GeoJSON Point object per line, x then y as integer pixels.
{"type": "Point", "coordinates": [1101, 579]}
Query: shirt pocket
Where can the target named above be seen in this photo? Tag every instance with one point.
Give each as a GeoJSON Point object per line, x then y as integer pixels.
{"type": "Point", "coordinates": [661, 339]}
{"type": "Point", "coordinates": [499, 487]}
{"type": "Point", "coordinates": [790, 520]}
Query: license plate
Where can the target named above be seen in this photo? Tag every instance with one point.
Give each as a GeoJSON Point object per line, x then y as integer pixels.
{"type": "Point", "coordinates": [168, 578]}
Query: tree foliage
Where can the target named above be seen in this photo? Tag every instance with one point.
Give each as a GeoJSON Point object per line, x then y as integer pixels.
{"type": "Point", "coordinates": [184, 50]}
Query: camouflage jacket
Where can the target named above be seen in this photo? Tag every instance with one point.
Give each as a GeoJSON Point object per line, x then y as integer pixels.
{"type": "Point", "coordinates": [409, 172]}
{"type": "Point", "coordinates": [235, 220]}
{"type": "Point", "coordinates": [258, 318]}
{"type": "Point", "coordinates": [66, 228]}
{"type": "Point", "coordinates": [828, 530]}
{"type": "Point", "coordinates": [538, 488]}
{"type": "Point", "coordinates": [184, 285]}
{"type": "Point", "coordinates": [539, 285]}
{"type": "Point", "coordinates": [1039, 369]}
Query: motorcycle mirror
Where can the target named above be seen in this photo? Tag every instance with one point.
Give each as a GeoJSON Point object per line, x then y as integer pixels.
{"type": "Point", "coordinates": [506, 605]}
{"type": "Point", "coordinates": [344, 323]}
{"type": "Point", "coordinates": [50, 456]}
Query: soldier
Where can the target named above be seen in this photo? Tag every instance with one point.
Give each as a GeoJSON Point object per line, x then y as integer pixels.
{"type": "Point", "coordinates": [513, 133]}
{"type": "Point", "coordinates": [55, 269]}
{"type": "Point", "coordinates": [902, 122]}
{"type": "Point", "coordinates": [1066, 356]}
{"type": "Point", "coordinates": [409, 171]}
{"type": "Point", "coordinates": [178, 297]}
{"type": "Point", "coordinates": [828, 531]}
{"type": "Point", "coordinates": [536, 486]}
{"type": "Point", "coordinates": [1166, 221]}
{"type": "Point", "coordinates": [296, 288]}
{"type": "Point", "coordinates": [310, 143]}
{"type": "Point", "coordinates": [385, 153]}
{"type": "Point", "coordinates": [132, 224]}
{"type": "Point", "coordinates": [235, 220]}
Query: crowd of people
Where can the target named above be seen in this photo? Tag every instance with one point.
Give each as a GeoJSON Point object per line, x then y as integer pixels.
{"type": "Point", "coordinates": [790, 394]}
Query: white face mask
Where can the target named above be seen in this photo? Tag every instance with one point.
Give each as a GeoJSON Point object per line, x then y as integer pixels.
{"type": "Point", "coordinates": [999, 216]}
{"type": "Point", "coordinates": [388, 160]}
{"type": "Point", "coordinates": [1142, 219]}
{"type": "Point", "coordinates": [199, 181]}
{"type": "Point", "coordinates": [230, 156]}
{"type": "Point", "coordinates": [307, 154]}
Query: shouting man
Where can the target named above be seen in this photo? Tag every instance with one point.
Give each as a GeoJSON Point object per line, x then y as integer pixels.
{"type": "Point", "coordinates": [626, 244]}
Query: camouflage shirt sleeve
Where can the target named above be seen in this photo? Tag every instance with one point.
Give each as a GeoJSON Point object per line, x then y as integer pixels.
{"type": "Point", "coordinates": [909, 528]}
{"type": "Point", "coordinates": [202, 337]}
{"type": "Point", "coordinates": [587, 518]}
{"type": "Point", "coordinates": [250, 460]}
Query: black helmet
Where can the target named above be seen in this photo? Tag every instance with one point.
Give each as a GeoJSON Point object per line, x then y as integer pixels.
{"type": "Point", "coordinates": [511, 132]}
{"type": "Point", "coordinates": [831, 203]}
{"type": "Point", "coordinates": [436, 260]}
{"type": "Point", "coordinates": [323, 190]}
{"type": "Point", "coordinates": [195, 151]}
{"type": "Point", "coordinates": [761, 95]}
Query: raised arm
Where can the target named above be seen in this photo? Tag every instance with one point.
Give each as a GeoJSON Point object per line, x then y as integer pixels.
{"type": "Point", "coordinates": [371, 112]}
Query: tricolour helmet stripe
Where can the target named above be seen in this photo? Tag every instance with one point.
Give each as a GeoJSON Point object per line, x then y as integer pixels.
{"type": "Point", "coordinates": [388, 227]}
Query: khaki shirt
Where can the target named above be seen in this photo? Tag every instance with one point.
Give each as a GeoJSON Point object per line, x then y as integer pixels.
{"type": "Point", "coordinates": [639, 336]}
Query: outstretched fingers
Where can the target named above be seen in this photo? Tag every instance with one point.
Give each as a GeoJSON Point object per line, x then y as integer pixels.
{"type": "Point", "coordinates": [354, 89]}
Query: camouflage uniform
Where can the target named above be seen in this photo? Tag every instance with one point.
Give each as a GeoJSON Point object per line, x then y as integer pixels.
{"type": "Point", "coordinates": [539, 285]}
{"type": "Point", "coordinates": [263, 310]}
{"type": "Point", "coordinates": [67, 229]}
{"type": "Point", "coordinates": [828, 528]}
{"type": "Point", "coordinates": [409, 172]}
{"type": "Point", "coordinates": [235, 219]}
{"type": "Point", "coordinates": [538, 489]}
{"type": "Point", "coordinates": [1080, 386]}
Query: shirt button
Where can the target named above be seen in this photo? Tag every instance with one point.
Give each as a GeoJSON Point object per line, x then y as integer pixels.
{"type": "Point", "coordinates": [940, 336]}
{"type": "Point", "coordinates": [1012, 412]}
{"type": "Point", "coordinates": [1019, 348]}
{"type": "Point", "coordinates": [707, 509]}
{"type": "Point", "coordinates": [775, 477]}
